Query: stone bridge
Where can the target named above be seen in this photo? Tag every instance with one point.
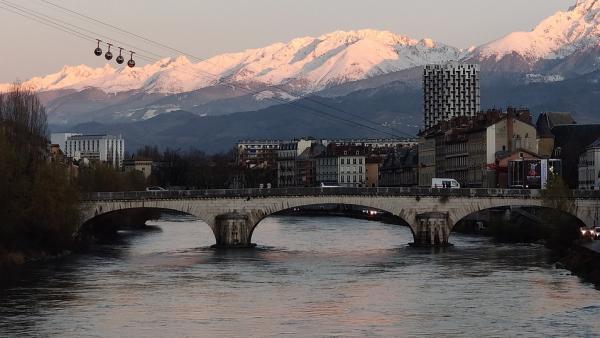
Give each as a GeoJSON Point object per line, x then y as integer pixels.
{"type": "Point", "coordinates": [234, 214]}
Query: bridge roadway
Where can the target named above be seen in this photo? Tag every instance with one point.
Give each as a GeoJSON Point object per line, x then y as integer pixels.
{"type": "Point", "coordinates": [234, 214]}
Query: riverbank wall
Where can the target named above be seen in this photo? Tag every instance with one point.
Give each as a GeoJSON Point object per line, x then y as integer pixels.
{"type": "Point", "coordinates": [583, 260]}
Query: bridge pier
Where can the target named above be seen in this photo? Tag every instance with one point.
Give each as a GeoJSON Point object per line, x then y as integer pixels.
{"type": "Point", "coordinates": [233, 230]}
{"type": "Point", "coordinates": [432, 229]}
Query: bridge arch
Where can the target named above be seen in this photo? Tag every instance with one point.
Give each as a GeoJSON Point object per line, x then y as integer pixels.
{"type": "Point", "coordinates": [109, 216]}
{"type": "Point", "coordinates": [110, 221]}
{"type": "Point", "coordinates": [507, 220]}
{"type": "Point", "coordinates": [358, 211]}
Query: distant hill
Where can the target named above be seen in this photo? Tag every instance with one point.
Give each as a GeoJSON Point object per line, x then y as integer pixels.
{"type": "Point", "coordinates": [394, 106]}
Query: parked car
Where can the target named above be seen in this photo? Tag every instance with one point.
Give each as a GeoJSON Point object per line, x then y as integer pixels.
{"type": "Point", "coordinates": [155, 188]}
{"type": "Point", "coordinates": [588, 233]}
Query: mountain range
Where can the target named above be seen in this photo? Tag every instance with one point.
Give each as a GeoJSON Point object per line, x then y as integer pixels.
{"type": "Point", "coordinates": [374, 74]}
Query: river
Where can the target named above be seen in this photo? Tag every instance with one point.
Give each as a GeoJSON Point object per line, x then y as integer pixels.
{"type": "Point", "coordinates": [319, 276]}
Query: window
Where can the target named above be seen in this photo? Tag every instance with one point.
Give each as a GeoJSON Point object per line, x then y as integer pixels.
{"type": "Point", "coordinates": [354, 161]}
{"type": "Point", "coordinates": [360, 161]}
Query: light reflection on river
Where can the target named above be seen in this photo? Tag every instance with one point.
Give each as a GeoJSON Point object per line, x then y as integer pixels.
{"type": "Point", "coordinates": [308, 276]}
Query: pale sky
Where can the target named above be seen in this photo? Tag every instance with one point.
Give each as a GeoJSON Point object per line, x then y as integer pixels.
{"type": "Point", "coordinates": [208, 27]}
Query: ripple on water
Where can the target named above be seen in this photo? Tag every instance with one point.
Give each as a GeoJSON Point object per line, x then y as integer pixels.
{"type": "Point", "coordinates": [307, 276]}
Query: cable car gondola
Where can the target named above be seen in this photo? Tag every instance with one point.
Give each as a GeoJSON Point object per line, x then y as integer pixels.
{"type": "Point", "coordinates": [131, 62]}
{"type": "Point", "coordinates": [108, 54]}
{"type": "Point", "coordinates": [120, 59]}
{"type": "Point", "coordinates": [98, 50]}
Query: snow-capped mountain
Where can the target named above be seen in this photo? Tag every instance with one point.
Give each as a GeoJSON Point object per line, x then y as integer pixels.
{"type": "Point", "coordinates": [306, 64]}
{"type": "Point", "coordinates": [567, 41]}
{"type": "Point", "coordinates": [564, 46]}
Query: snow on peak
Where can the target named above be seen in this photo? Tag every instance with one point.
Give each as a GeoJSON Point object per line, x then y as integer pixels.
{"type": "Point", "coordinates": [308, 63]}
{"type": "Point", "coordinates": [385, 37]}
{"type": "Point", "coordinates": [557, 36]}
{"type": "Point", "coordinates": [427, 42]}
{"type": "Point", "coordinates": [585, 5]}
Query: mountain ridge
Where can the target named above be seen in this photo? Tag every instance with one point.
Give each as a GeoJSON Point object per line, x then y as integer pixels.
{"type": "Point", "coordinates": [563, 46]}
{"type": "Point", "coordinates": [557, 37]}
{"type": "Point", "coordinates": [306, 64]}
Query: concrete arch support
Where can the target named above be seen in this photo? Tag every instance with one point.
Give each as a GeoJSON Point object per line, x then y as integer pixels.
{"type": "Point", "coordinates": [432, 229]}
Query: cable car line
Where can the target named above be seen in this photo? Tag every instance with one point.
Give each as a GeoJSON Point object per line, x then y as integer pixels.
{"type": "Point", "coordinates": [66, 24]}
{"type": "Point", "coordinates": [49, 21]}
{"type": "Point", "coordinates": [157, 43]}
{"type": "Point", "coordinates": [316, 112]}
{"type": "Point", "coordinates": [69, 31]}
{"type": "Point", "coordinates": [308, 97]}
{"type": "Point", "coordinates": [123, 30]}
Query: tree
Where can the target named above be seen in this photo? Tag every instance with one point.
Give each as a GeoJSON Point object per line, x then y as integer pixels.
{"type": "Point", "coordinates": [563, 226]}
{"type": "Point", "coordinates": [101, 177]}
{"type": "Point", "coordinates": [39, 204]}
{"type": "Point", "coordinates": [557, 195]}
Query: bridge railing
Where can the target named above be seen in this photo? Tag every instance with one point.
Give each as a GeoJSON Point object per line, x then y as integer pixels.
{"type": "Point", "coordinates": [322, 191]}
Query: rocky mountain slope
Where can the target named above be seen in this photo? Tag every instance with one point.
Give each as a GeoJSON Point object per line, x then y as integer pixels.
{"type": "Point", "coordinates": [563, 44]}
{"type": "Point", "coordinates": [552, 67]}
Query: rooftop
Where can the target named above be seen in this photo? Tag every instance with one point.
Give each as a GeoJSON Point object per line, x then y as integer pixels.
{"type": "Point", "coordinates": [93, 136]}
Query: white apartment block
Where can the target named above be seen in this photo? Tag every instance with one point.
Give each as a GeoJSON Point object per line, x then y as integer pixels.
{"type": "Point", "coordinates": [589, 167]}
{"type": "Point", "coordinates": [257, 150]}
{"type": "Point", "coordinates": [104, 148]}
{"type": "Point", "coordinates": [450, 90]}
{"type": "Point", "coordinates": [351, 168]}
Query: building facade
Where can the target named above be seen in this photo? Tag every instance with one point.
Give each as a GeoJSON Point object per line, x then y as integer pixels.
{"type": "Point", "coordinates": [286, 161]}
{"type": "Point", "coordinates": [426, 160]}
{"type": "Point", "coordinates": [327, 167]}
{"type": "Point", "coordinates": [351, 166]}
{"type": "Point", "coordinates": [467, 148]}
{"type": "Point", "coordinates": [306, 166]}
{"type": "Point", "coordinates": [372, 165]}
{"type": "Point", "coordinates": [377, 143]}
{"type": "Point", "coordinates": [399, 169]}
{"type": "Point", "coordinates": [257, 153]}
{"type": "Point", "coordinates": [544, 125]}
{"type": "Point", "coordinates": [589, 167]}
{"type": "Point", "coordinates": [450, 90]}
{"type": "Point", "coordinates": [143, 166]}
{"type": "Point", "coordinates": [103, 148]}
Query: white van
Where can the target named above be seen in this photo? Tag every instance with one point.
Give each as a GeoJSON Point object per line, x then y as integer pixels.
{"type": "Point", "coordinates": [445, 183]}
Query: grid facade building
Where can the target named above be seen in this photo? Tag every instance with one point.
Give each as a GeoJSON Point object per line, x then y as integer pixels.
{"type": "Point", "coordinates": [258, 153]}
{"type": "Point", "coordinates": [450, 90]}
{"type": "Point", "coordinates": [103, 148]}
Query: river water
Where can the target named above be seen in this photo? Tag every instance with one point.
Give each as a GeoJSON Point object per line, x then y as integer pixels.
{"type": "Point", "coordinates": [319, 276]}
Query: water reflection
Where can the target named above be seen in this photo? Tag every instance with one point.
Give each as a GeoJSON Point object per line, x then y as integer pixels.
{"type": "Point", "coordinates": [307, 276]}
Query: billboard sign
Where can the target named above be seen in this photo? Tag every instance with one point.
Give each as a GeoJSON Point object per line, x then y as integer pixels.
{"type": "Point", "coordinates": [533, 174]}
